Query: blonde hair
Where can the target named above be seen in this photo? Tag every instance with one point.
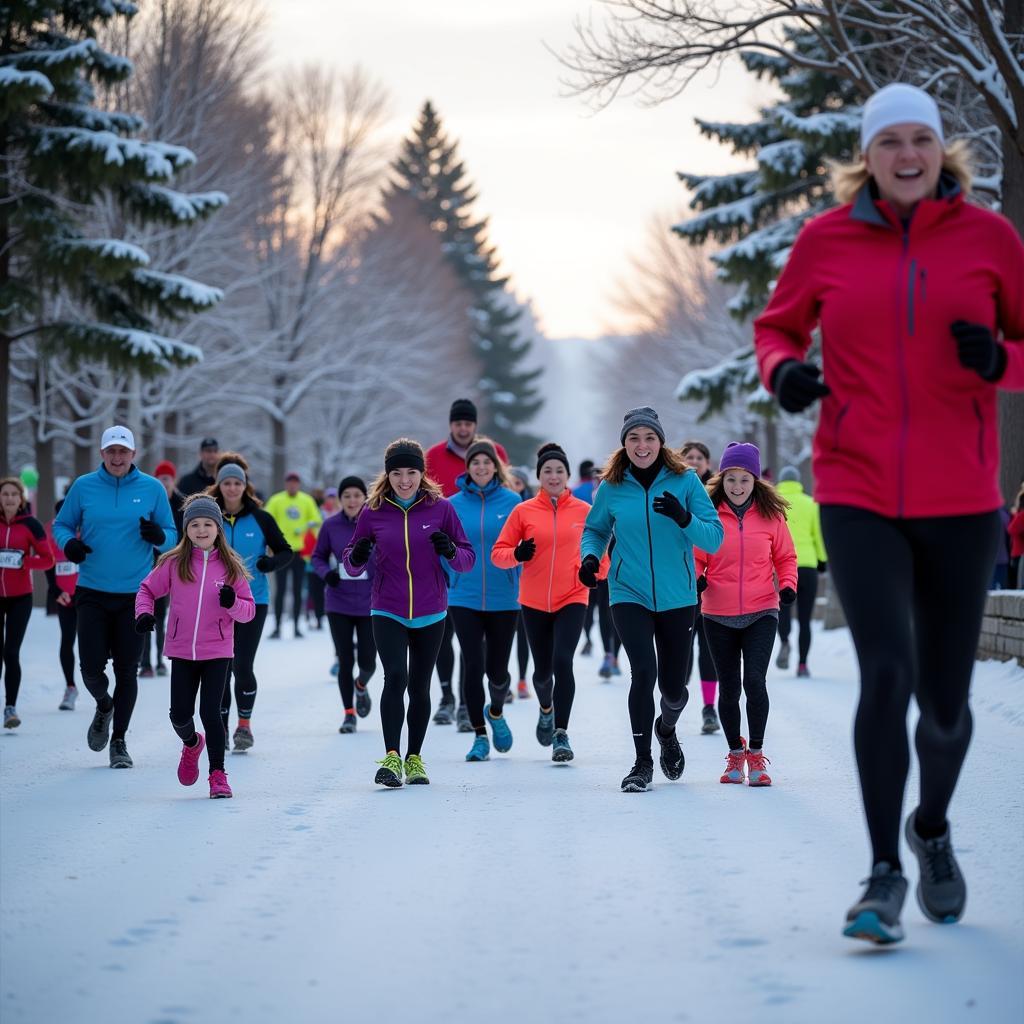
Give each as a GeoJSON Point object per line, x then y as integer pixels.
{"type": "Point", "coordinates": [233, 459]}
{"type": "Point", "coordinates": [614, 471]}
{"type": "Point", "coordinates": [15, 482]}
{"type": "Point", "coordinates": [181, 553]}
{"type": "Point", "coordinates": [767, 500]}
{"type": "Point", "coordinates": [848, 179]}
{"type": "Point", "coordinates": [381, 487]}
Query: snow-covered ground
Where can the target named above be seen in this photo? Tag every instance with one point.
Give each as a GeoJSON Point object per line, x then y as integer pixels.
{"type": "Point", "coordinates": [513, 890]}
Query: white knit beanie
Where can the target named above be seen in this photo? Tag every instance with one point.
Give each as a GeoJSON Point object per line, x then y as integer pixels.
{"type": "Point", "coordinates": [899, 104]}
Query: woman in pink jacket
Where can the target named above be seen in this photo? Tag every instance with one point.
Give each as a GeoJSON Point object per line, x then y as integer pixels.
{"type": "Point", "coordinates": [209, 590]}
{"type": "Point", "coordinates": [740, 604]}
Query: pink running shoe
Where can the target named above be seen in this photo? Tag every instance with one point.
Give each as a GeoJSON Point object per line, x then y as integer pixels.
{"type": "Point", "coordinates": [756, 775]}
{"type": "Point", "coordinates": [734, 762]}
{"type": "Point", "coordinates": [219, 788]}
{"type": "Point", "coordinates": [188, 766]}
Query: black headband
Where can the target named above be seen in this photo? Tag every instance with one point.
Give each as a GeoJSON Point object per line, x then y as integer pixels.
{"type": "Point", "coordinates": [404, 456]}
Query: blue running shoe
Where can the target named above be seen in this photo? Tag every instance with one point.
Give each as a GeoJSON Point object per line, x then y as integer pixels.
{"type": "Point", "coordinates": [616, 671]}
{"type": "Point", "coordinates": [875, 917]}
{"type": "Point", "coordinates": [480, 751]}
{"type": "Point", "coordinates": [502, 733]}
{"type": "Point", "coordinates": [561, 751]}
{"type": "Point", "coordinates": [334, 670]}
{"type": "Point", "coordinates": [546, 727]}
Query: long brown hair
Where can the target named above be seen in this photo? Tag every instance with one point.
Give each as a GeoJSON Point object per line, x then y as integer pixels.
{"type": "Point", "coordinates": [767, 500]}
{"type": "Point", "coordinates": [381, 487]}
{"type": "Point", "coordinates": [181, 553]}
{"type": "Point", "coordinates": [15, 482]}
{"type": "Point", "coordinates": [618, 464]}
{"type": "Point", "coordinates": [233, 459]}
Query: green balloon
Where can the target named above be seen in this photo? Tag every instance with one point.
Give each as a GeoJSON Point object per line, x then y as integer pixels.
{"type": "Point", "coordinates": [29, 477]}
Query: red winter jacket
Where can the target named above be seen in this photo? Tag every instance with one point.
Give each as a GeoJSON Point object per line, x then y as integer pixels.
{"type": "Point", "coordinates": [66, 573]}
{"type": "Point", "coordinates": [445, 467]}
{"type": "Point", "coordinates": [22, 541]}
{"type": "Point", "coordinates": [907, 430]}
{"type": "Point", "coordinates": [1016, 532]}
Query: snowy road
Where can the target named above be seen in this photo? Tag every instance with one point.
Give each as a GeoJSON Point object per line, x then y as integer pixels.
{"type": "Point", "coordinates": [513, 890]}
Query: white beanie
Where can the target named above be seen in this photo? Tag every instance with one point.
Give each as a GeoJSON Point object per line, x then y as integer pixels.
{"type": "Point", "coordinates": [899, 104]}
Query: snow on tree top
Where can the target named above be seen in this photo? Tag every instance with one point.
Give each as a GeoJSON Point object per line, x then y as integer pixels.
{"type": "Point", "coordinates": [783, 159]}
{"type": "Point", "coordinates": [189, 207]}
{"type": "Point", "coordinates": [48, 58]}
{"type": "Point", "coordinates": [146, 344]}
{"type": "Point", "coordinates": [35, 79]}
{"type": "Point", "coordinates": [818, 129]}
{"type": "Point", "coordinates": [184, 289]}
{"type": "Point", "coordinates": [159, 159]}
{"type": "Point", "coordinates": [110, 248]}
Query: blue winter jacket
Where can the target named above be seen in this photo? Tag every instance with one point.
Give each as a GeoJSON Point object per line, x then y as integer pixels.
{"type": "Point", "coordinates": [104, 511]}
{"type": "Point", "coordinates": [652, 563]}
{"type": "Point", "coordinates": [250, 533]}
{"type": "Point", "coordinates": [485, 588]}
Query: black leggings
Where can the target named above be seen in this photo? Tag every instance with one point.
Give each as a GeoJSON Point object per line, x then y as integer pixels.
{"type": "Point", "coordinates": [296, 571]}
{"type": "Point", "coordinates": [343, 627]}
{"type": "Point", "coordinates": [658, 645]}
{"type": "Point", "coordinates": [806, 592]}
{"type": "Point", "coordinates": [705, 663]}
{"type": "Point", "coordinates": [609, 635]}
{"type": "Point", "coordinates": [485, 639]}
{"type": "Point", "coordinates": [207, 679]}
{"type": "Point", "coordinates": [522, 646]}
{"type": "Point", "coordinates": [68, 619]}
{"type": "Point", "coordinates": [315, 586]}
{"type": "Point", "coordinates": [741, 657]}
{"type": "Point", "coordinates": [408, 657]}
{"type": "Point", "coordinates": [553, 639]}
{"type": "Point", "coordinates": [588, 616]}
{"type": "Point", "coordinates": [913, 591]}
{"type": "Point", "coordinates": [160, 614]}
{"type": "Point", "coordinates": [14, 616]}
{"type": "Point", "coordinates": [247, 642]}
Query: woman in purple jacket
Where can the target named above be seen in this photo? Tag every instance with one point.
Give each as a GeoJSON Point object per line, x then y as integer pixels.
{"type": "Point", "coordinates": [348, 602]}
{"type": "Point", "coordinates": [413, 528]}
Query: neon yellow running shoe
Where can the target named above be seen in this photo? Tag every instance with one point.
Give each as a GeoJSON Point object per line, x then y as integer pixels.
{"type": "Point", "coordinates": [415, 773]}
{"type": "Point", "coordinates": [390, 771]}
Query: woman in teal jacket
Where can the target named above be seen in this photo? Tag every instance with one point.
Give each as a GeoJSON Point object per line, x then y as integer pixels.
{"type": "Point", "coordinates": [658, 510]}
{"type": "Point", "coordinates": [483, 602]}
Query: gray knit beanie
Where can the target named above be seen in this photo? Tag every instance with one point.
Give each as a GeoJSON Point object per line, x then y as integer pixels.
{"type": "Point", "coordinates": [231, 471]}
{"type": "Point", "coordinates": [645, 416]}
{"type": "Point", "coordinates": [789, 473]}
{"type": "Point", "coordinates": [202, 507]}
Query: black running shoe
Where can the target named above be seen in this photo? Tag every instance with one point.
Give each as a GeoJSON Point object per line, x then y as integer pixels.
{"type": "Point", "coordinates": [119, 757]}
{"type": "Point", "coordinates": [462, 721]}
{"type": "Point", "coordinates": [640, 776]}
{"type": "Point", "coordinates": [941, 889]}
{"type": "Point", "coordinates": [709, 720]}
{"type": "Point", "coordinates": [875, 917]}
{"type": "Point", "coordinates": [99, 729]}
{"type": "Point", "coordinates": [363, 701]}
{"type": "Point", "coordinates": [349, 725]}
{"type": "Point", "coordinates": [672, 761]}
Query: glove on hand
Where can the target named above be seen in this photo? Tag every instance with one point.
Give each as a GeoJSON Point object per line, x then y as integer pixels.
{"type": "Point", "coordinates": [823, 567]}
{"type": "Point", "coordinates": [264, 563]}
{"type": "Point", "coordinates": [525, 550]}
{"type": "Point", "coordinates": [702, 584]}
{"type": "Point", "coordinates": [227, 595]}
{"type": "Point", "coordinates": [151, 532]}
{"type": "Point", "coordinates": [75, 551]}
{"type": "Point", "coordinates": [669, 505]}
{"type": "Point", "coordinates": [332, 577]}
{"type": "Point", "coordinates": [145, 623]}
{"type": "Point", "coordinates": [588, 571]}
{"type": "Point", "coordinates": [443, 544]}
{"type": "Point", "coordinates": [978, 350]}
{"type": "Point", "coordinates": [787, 595]}
{"type": "Point", "coordinates": [796, 385]}
{"type": "Point", "coordinates": [360, 553]}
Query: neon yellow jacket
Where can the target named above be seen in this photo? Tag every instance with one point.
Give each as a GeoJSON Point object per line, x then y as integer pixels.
{"type": "Point", "coordinates": [294, 516]}
{"type": "Point", "coordinates": [804, 521]}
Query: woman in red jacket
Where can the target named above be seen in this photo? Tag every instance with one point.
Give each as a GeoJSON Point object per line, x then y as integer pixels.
{"type": "Point", "coordinates": [919, 298]}
{"type": "Point", "coordinates": [23, 547]}
{"type": "Point", "coordinates": [740, 604]}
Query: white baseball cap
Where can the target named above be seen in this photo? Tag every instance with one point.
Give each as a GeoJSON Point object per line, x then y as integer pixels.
{"type": "Point", "coordinates": [117, 435]}
{"type": "Point", "coordinates": [899, 103]}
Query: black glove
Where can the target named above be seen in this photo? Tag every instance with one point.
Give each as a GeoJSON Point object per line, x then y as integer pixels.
{"type": "Point", "coordinates": [525, 550]}
{"type": "Point", "coordinates": [332, 577]}
{"type": "Point", "coordinates": [144, 623]}
{"type": "Point", "coordinates": [150, 532]}
{"type": "Point", "coordinates": [796, 385]}
{"type": "Point", "coordinates": [702, 584]}
{"type": "Point", "coordinates": [787, 595]}
{"type": "Point", "coordinates": [978, 350]}
{"type": "Point", "coordinates": [823, 567]}
{"type": "Point", "coordinates": [265, 563]}
{"type": "Point", "coordinates": [227, 595]}
{"type": "Point", "coordinates": [669, 505]}
{"type": "Point", "coordinates": [588, 571]}
{"type": "Point", "coordinates": [75, 550]}
{"type": "Point", "coordinates": [360, 553]}
{"type": "Point", "coordinates": [443, 544]}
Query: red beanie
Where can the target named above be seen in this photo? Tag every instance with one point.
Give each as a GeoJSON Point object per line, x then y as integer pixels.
{"type": "Point", "coordinates": [166, 468]}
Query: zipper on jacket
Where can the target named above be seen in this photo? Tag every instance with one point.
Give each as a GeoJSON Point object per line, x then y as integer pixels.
{"type": "Point", "coordinates": [199, 604]}
{"type": "Point", "coordinates": [739, 519]}
{"type": "Point", "coordinates": [650, 549]}
{"type": "Point", "coordinates": [483, 567]}
{"type": "Point", "coordinates": [3, 572]}
{"type": "Point", "coordinates": [554, 548]}
{"type": "Point", "coordinates": [901, 454]}
{"type": "Point", "coordinates": [408, 558]}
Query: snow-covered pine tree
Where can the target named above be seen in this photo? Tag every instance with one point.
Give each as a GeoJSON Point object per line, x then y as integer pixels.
{"type": "Point", "coordinates": [62, 153]}
{"type": "Point", "coordinates": [430, 170]}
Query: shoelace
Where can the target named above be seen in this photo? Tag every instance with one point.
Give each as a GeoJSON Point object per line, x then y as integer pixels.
{"type": "Point", "coordinates": [734, 762]}
{"type": "Point", "coordinates": [641, 769]}
{"type": "Point", "coordinates": [393, 762]}
{"type": "Point", "coordinates": [881, 887]}
{"type": "Point", "coordinates": [756, 762]}
{"type": "Point", "coordinates": [939, 863]}
{"type": "Point", "coordinates": [414, 764]}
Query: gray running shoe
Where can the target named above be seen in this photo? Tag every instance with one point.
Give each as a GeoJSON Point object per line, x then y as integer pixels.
{"type": "Point", "coordinates": [99, 729]}
{"type": "Point", "coordinates": [462, 721]}
{"type": "Point", "coordinates": [349, 725]}
{"type": "Point", "coordinates": [70, 696]}
{"type": "Point", "coordinates": [444, 715]}
{"type": "Point", "coordinates": [243, 738]}
{"type": "Point", "coordinates": [875, 917]}
{"type": "Point", "coordinates": [560, 749]}
{"type": "Point", "coordinates": [119, 757]}
{"type": "Point", "coordinates": [364, 702]}
{"type": "Point", "coordinates": [941, 889]}
{"type": "Point", "coordinates": [709, 720]}
{"type": "Point", "coordinates": [11, 719]}
{"type": "Point", "coordinates": [546, 727]}
{"type": "Point", "coordinates": [782, 661]}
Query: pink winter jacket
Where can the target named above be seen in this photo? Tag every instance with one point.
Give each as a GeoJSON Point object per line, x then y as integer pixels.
{"type": "Point", "coordinates": [198, 628]}
{"type": "Point", "coordinates": [741, 573]}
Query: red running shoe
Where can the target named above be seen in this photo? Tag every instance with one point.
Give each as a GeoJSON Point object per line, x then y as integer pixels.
{"type": "Point", "coordinates": [219, 788]}
{"type": "Point", "coordinates": [188, 766]}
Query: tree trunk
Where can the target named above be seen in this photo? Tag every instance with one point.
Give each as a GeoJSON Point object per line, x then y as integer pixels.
{"type": "Point", "coordinates": [770, 455]}
{"type": "Point", "coordinates": [5, 406]}
{"type": "Point", "coordinates": [43, 508]}
{"type": "Point", "coordinates": [173, 450]}
{"type": "Point", "coordinates": [85, 459]}
{"type": "Point", "coordinates": [277, 466]}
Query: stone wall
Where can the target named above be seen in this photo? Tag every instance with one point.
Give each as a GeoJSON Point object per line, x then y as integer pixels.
{"type": "Point", "coordinates": [1002, 628]}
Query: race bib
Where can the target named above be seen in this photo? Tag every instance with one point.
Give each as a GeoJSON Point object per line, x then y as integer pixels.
{"type": "Point", "coordinates": [11, 558]}
{"type": "Point", "coordinates": [65, 568]}
{"type": "Point", "coordinates": [346, 575]}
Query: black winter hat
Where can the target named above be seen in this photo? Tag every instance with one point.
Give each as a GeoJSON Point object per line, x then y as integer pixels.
{"type": "Point", "coordinates": [462, 409]}
{"type": "Point", "coordinates": [351, 481]}
{"type": "Point", "coordinates": [547, 452]}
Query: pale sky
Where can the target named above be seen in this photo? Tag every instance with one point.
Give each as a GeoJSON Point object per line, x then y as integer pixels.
{"type": "Point", "coordinates": [569, 192]}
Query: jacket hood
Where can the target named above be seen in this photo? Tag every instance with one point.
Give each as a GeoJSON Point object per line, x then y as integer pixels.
{"type": "Point", "coordinates": [464, 483]}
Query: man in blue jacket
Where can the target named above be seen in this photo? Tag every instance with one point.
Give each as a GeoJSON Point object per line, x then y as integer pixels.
{"type": "Point", "coordinates": [110, 523]}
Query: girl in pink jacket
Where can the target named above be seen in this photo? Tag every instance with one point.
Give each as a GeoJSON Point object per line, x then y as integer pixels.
{"type": "Point", "coordinates": [209, 590]}
{"type": "Point", "coordinates": [740, 603]}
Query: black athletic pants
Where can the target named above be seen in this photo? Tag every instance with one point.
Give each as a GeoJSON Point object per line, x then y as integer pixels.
{"type": "Point", "coordinates": [295, 571]}
{"type": "Point", "coordinates": [658, 645]}
{"type": "Point", "coordinates": [485, 639]}
{"type": "Point", "coordinates": [605, 621]}
{"type": "Point", "coordinates": [68, 619]}
{"type": "Point", "coordinates": [741, 657]}
{"type": "Point", "coordinates": [247, 642]}
{"type": "Point", "coordinates": [160, 606]}
{"type": "Point", "coordinates": [806, 592]}
{"type": "Point", "coordinates": [343, 629]}
{"type": "Point", "coordinates": [705, 663]}
{"type": "Point", "coordinates": [913, 591]}
{"type": "Point", "coordinates": [408, 657]}
{"type": "Point", "coordinates": [14, 616]}
{"type": "Point", "coordinates": [522, 646]}
{"type": "Point", "coordinates": [316, 595]}
{"type": "Point", "coordinates": [106, 630]}
{"type": "Point", "coordinates": [588, 618]}
{"type": "Point", "coordinates": [207, 679]}
{"type": "Point", "coordinates": [553, 639]}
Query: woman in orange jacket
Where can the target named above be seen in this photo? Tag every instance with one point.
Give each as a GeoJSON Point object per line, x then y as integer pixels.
{"type": "Point", "coordinates": [740, 604]}
{"type": "Point", "coordinates": [543, 535]}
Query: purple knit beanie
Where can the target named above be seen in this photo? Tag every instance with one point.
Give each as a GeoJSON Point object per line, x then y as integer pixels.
{"type": "Point", "coordinates": [741, 455]}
